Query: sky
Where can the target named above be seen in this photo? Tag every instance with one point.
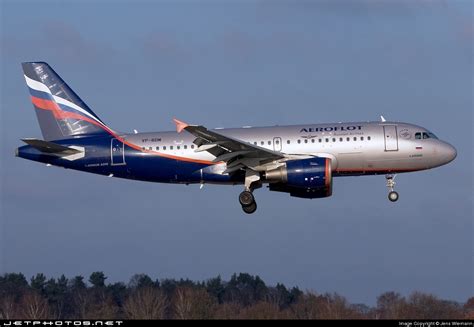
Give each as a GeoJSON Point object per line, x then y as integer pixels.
{"type": "Point", "coordinates": [138, 64]}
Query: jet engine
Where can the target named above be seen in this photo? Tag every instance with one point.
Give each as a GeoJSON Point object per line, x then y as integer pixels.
{"type": "Point", "coordinates": [306, 178]}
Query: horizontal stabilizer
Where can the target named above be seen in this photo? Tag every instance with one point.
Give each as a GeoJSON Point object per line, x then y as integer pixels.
{"type": "Point", "coordinates": [50, 147]}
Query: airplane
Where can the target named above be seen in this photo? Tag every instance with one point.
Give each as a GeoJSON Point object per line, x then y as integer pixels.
{"type": "Point", "coordinates": [300, 160]}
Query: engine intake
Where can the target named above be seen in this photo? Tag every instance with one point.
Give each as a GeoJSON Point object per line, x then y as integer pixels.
{"type": "Point", "coordinates": [306, 178]}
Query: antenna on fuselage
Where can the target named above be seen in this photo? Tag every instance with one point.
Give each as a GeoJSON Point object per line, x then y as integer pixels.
{"type": "Point", "coordinates": [382, 118]}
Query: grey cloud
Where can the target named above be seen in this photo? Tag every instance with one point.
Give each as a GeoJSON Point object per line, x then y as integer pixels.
{"type": "Point", "coordinates": [66, 42]}
{"type": "Point", "coordinates": [160, 45]}
{"type": "Point", "coordinates": [352, 7]}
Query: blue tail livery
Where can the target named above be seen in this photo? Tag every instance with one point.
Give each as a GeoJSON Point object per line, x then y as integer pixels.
{"type": "Point", "coordinates": [61, 113]}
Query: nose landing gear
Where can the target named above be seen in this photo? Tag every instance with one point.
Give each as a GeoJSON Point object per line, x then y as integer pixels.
{"type": "Point", "coordinates": [392, 195]}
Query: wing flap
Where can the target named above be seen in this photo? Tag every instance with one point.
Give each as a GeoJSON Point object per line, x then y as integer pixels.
{"type": "Point", "coordinates": [231, 155]}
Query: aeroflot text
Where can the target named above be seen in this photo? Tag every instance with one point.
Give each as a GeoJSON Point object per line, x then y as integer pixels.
{"type": "Point", "coordinates": [330, 129]}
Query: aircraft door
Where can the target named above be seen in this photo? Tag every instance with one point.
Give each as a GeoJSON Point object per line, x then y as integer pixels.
{"type": "Point", "coordinates": [117, 153]}
{"type": "Point", "coordinates": [391, 137]}
{"type": "Point", "coordinates": [277, 144]}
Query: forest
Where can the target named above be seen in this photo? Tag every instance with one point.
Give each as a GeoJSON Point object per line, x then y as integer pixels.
{"type": "Point", "coordinates": [242, 297]}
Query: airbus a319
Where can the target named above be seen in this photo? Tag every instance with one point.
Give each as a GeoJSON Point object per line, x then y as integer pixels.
{"type": "Point", "coordinates": [300, 160]}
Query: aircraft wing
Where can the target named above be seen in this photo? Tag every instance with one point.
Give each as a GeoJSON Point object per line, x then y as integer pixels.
{"type": "Point", "coordinates": [234, 152]}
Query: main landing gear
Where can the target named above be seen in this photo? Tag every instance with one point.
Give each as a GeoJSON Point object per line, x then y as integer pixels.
{"type": "Point", "coordinates": [247, 201]}
{"type": "Point", "coordinates": [392, 195]}
{"type": "Point", "coordinates": [246, 198]}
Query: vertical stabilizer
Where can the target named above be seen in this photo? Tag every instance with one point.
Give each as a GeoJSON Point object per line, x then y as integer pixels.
{"type": "Point", "coordinates": [61, 113]}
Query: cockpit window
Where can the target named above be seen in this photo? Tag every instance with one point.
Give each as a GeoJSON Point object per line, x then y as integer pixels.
{"type": "Point", "coordinates": [425, 135]}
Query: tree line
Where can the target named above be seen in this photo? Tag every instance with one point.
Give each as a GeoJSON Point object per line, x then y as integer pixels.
{"type": "Point", "coordinates": [242, 297]}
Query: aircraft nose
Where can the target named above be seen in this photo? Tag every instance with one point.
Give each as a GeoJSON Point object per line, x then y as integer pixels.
{"type": "Point", "coordinates": [448, 152]}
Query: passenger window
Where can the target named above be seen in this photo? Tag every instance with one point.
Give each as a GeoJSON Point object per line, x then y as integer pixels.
{"type": "Point", "coordinates": [287, 141]}
{"type": "Point", "coordinates": [355, 138]}
{"type": "Point", "coordinates": [306, 141]}
{"type": "Point", "coordinates": [320, 140]}
{"type": "Point", "coordinates": [327, 140]}
{"type": "Point", "coordinates": [368, 138]}
{"type": "Point", "coordinates": [192, 146]}
{"type": "Point", "coordinates": [348, 139]}
{"type": "Point", "coordinates": [340, 139]}
{"type": "Point", "coordinates": [312, 140]}
{"type": "Point", "coordinates": [150, 148]}
{"type": "Point", "coordinates": [269, 142]}
{"type": "Point", "coordinates": [164, 147]}
{"type": "Point", "coordinates": [255, 143]}
{"type": "Point", "coordinates": [334, 139]}
{"type": "Point", "coordinates": [418, 136]}
{"type": "Point", "coordinates": [178, 147]}
{"type": "Point", "coordinates": [299, 141]}
{"type": "Point", "coordinates": [171, 147]}
{"type": "Point", "coordinates": [277, 142]}
{"type": "Point", "coordinates": [157, 148]}
{"type": "Point", "coordinates": [185, 147]}
{"type": "Point", "coordinates": [262, 143]}
{"type": "Point", "coordinates": [361, 138]}
{"type": "Point", "coordinates": [143, 148]}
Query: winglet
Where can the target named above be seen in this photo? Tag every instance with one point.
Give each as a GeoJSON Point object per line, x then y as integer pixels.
{"type": "Point", "coordinates": [180, 125]}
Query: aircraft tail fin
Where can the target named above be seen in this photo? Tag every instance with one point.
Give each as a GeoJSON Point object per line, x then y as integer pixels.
{"type": "Point", "coordinates": [61, 113]}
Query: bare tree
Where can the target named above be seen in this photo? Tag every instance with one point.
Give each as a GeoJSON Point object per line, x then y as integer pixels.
{"type": "Point", "coordinates": [274, 297]}
{"type": "Point", "coordinates": [262, 310]}
{"type": "Point", "coordinates": [94, 303]}
{"type": "Point", "coordinates": [390, 305]}
{"type": "Point", "coordinates": [8, 307]}
{"type": "Point", "coordinates": [146, 303]}
{"type": "Point", "coordinates": [82, 302]}
{"type": "Point", "coordinates": [103, 306]}
{"type": "Point", "coordinates": [306, 307]}
{"type": "Point", "coordinates": [182, 303]}
{"type": "Point", "coordinates": [428, 306]}
{"type": "Point", "coordinates": [189, 303]}
{"type": "Point", "coordinates": [469, 309]}
{"type": "Point", "coordinates": [227, 311]}
{"type": "Point", "coordinates": [34, 306]}
{"type": "Point", "coordinates": [327, 306]}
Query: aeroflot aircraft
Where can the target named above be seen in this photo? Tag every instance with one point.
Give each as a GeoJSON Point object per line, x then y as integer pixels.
{"type": "Point", "coordinates": [300, 160]}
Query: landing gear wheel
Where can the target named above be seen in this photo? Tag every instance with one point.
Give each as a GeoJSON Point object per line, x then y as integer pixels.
{"type": "Point", "coordinates": [250, 208]}
{"type": "Point", "coordinates": [246, 199]}
{"type": "Point", "coordinates": [393, 196]}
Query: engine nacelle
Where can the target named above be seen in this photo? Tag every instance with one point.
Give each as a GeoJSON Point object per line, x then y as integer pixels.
{"type": "Point", "coordinates": [306, 178]}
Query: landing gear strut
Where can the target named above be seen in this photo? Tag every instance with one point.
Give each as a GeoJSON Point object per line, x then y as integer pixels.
{"type": "Point", "coordinates": [246, 198]}
{"type": "Point", "coordinates": [392, 195]}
